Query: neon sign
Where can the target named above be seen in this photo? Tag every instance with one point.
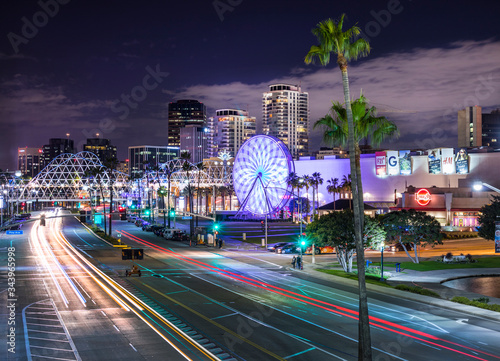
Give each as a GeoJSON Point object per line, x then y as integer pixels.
{"type": "Point", "coordinates": [423, 197]}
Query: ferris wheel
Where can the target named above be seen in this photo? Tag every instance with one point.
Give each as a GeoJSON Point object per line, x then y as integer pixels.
{"type": "Point", "coordinates": [260, 173]}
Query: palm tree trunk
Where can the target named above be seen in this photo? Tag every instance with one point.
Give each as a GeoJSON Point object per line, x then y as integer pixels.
{"type": "Point", "coordinates": [364, 344]}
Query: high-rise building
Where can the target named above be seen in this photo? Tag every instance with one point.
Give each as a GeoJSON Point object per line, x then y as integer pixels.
{"type": "Point", "coordinates": [285, 111]}
{"type": "Point", "coordinates": [182, 113]}
{"type": "Point", "coordinates": [194, 139]}
{"type": "Point", "coordinates": [491, 129]}
{"type": "Point", "coordinates": [123, 166]}
{"type": "Point", "coordinates": [470, 127]}
{"type": "Point", "coordinates": [57, 146]}
{"type": "Point", "coordinates": [229, 129]}
{"type": "Point", "coordinates": [102, 148]}
{"type": "Point", "coordinates": [142, 156]}
{"type": "Point", "coordinates": [30, 161]}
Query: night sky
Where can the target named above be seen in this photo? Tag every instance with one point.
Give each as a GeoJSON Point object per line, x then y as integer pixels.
{"type": "Point", "coordinates": [68, 73]}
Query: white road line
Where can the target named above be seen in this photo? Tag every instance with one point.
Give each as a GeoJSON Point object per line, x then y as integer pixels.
{"type": "Point", "coordinates": [436, 348]}
{"type": "Point", "coordinates": [370, 304]}
{"type": "Point", "coordinates": [47, 339]}
{"type": "Point", "coordinates": [117, 329]}
{"type": "Point", "coordinates": [231, 314]}
{"type": "Point", "coordinates": [133, 347]}
{"type": "Point", "coordinates": [258, 259]}
{"type": "Point", "coordinates": [286, 313]}
{"type": "Point", "coordinates": [51, 348]}
{"type": "Point", "coordinates": [52, 332]}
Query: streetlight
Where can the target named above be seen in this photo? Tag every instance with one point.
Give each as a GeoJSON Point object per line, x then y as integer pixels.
{"type": "Point", "coordinates": [479, 185]}
{"type": "Point", "coordinates": [382, 246]}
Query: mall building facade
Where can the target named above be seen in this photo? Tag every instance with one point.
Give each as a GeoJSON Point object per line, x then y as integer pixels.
{"type": "Point", "coordinates": [439, 181]}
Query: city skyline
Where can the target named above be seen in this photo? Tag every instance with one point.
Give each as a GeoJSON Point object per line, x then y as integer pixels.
{"type": "Point", "coordinates": [73, 71]}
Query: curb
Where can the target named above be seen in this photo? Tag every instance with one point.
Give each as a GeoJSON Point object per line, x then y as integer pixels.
{"type": "Point", "coordinates": [91, 231]}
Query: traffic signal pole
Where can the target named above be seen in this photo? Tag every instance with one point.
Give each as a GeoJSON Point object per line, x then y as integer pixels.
{"type": "Point", "coordinates": [265, 226]}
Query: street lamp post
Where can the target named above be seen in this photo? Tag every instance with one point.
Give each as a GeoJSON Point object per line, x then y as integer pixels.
{"type": "Point", "coordinates": [479, 185]}
{"type": "Point", "coordinates": [382, 261]}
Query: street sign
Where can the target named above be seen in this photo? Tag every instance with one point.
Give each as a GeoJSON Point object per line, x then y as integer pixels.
{"type": "Point", "coordinates": [187, 217]}
{"type": "Point", "coordinates": [14, 232]}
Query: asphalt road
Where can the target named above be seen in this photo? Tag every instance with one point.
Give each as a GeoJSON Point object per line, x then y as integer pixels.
{"type": "Point", "coordinates": [63, 309]}
{"type": "Point", "coordinates": [252, 304]}
{"type": "Point", "coordinates": [241, 304]}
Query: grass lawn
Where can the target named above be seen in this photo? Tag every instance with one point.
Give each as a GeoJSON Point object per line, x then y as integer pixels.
{"type": "Point", "coordinates": [486, 262]}
{"type": "Point", "coordinates": [352, 276]}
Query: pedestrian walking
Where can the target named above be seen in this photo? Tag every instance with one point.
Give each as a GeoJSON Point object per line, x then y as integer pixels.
{"type": "Point", "coordinates": [220, 243]}
{"type": "Point", "coordinates": [299, 262]}
{"type": "Point", "coordinates": [294, 260]}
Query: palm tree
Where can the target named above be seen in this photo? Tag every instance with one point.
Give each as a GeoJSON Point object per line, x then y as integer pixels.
{"type": "Point", "coordinates": [168, 170]}
{"type": "Point", "coordinates": [188, 167]}
{"type": "Point", "coordinates": [347, 46]}
{"type": "Point", "coordinates": [110, 168]}
{"type": "Point", "coordinates": [200, 167]}
{"type": "Point", "coordinates": [317, 180]}
{"type": "Point", "coordinates": [293, 181]}
{"type": "Point", "coordinates": [346, 187]}
{"type": "Point", "coordinates": [306, 180]}
{"type": "Point", "coordinates": [332, 188]}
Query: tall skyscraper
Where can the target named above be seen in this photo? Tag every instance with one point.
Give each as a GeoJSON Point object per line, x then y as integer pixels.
{"type": "Point", "coordinates": [182, 113]}
{"type": "Point", "coordinates": [30, 161]}
{"type": "Point", "coordinates": [491, 129]}
{"type": "Point", "coordinates": [470, 127]}
{"type": "Point", "coordinates": [102, 148]}
{"type": "Point", "coordinates": [141, 156]}
{"type": "Point", "coordinates": [229, 129]}
{"type": "Point", "coordinates": [194, 139]}
{"type": "Point", "coordinates": [57, 146]}
{"type": "Point", "coordinates": [285, 115]}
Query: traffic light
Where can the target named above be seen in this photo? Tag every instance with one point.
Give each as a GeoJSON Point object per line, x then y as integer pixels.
{"type": "Point", "coordinates": [216, 228]}
{"type": "Point", "coordinates": [171, 213]}
{"type": "Point", "coordinates": [147, 211]}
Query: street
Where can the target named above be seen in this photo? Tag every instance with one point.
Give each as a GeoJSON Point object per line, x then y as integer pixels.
{"type": "Point", "coordinates": [244, 304]}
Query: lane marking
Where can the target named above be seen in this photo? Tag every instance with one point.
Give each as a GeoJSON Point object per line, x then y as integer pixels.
{"type": "Point", "coordinates": [300, 353]}
{"type": "Point", "coordinates": [231, 332]}
{"type": "Point", "coordinates": [133, 348]}
{"type": "Point", "coordinates": [231, 314]}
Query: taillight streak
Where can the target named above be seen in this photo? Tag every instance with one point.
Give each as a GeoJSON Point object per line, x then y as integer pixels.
{"type": "Point", "coordinates": [301, 298]}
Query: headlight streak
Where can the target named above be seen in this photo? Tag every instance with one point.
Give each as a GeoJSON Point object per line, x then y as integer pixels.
{"type": "Point", "coordinates": [71, 251]}
{"type": "Point", "coordinates": [353, 314]}
{"type": "Point", "coordinates": [41, 254]}
{"type": "Point", "coordinates": [61, 269]}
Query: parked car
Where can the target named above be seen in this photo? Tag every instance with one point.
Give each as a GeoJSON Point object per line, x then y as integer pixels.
{"type": "Point", "coordinates": [158, 230]}
{"type": "Point", "coordinates": [279, 249]}
{"type": "Point", "coordinates": [290, 248]}
{"type": "Point", "coordinates": [169, 233]}
{"type": "Point", "coordinates": [272, 248]}
{"type": "Point", "coordinates": [132, 219]}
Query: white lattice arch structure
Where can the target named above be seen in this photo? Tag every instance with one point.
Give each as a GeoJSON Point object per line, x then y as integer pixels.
{"type": "Point", "coordinates": [212, 175]}
{"type": "Point", "coordinates": [66, 179]}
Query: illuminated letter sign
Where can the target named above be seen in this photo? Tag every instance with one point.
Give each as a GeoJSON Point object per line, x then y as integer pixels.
{"type": "Point", "coordinates": [423, 197]}
{"type": "Point", "coordinates": [392, 162]}
{"type": "Point", "coordinates": [380, 165]}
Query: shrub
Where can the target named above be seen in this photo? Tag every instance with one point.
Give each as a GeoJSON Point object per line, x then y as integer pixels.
{"type": "Point", "coordinates": [449, 255]}
{"type": "Point", "coordinates": [481, 299]}
{"type": "Point", "coordinates": [466, 301]}
{"type": "Point", "coordinates": [419, 290]}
